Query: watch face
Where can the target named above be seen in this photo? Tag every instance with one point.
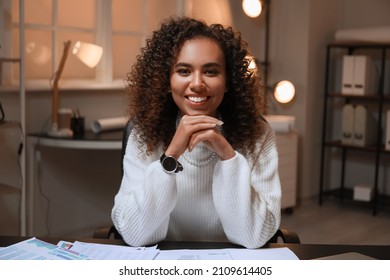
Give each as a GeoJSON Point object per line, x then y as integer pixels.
{"type": "Point", "coordinates": [169, 164]}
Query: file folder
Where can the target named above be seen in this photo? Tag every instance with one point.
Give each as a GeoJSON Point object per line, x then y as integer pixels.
{"type": "Point", "coordinates": [359, 75]}
{"type": "Point", "coordinates": [364, 127]}
{"type": "Point", "coordinates": [347, 124]}
{"type": "Point", "coordinates": [364, 76]}
{"type": "Point", "coordinates": [347, 74]}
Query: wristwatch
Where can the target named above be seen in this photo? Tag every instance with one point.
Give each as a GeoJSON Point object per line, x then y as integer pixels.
{"type": "Point", "coordinates": [170, 164]}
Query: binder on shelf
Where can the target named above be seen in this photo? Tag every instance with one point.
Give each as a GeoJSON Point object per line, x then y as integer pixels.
{"type": "Point", "coordinates": [347, 124]}
{"type": "Point", "coordinates": [364, 127]}
{"type": "Point", "coordinates": [364, 75]}
{"type": "Point", "coordinates": [347, 74]}
{"type": "Point", "coordinates": [358, 126]}
{"type": "Point", "coordinates": [359, 75]}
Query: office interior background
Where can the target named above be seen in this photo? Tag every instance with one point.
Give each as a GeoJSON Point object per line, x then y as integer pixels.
{"type": "Point", "coordinates": [75, 188]}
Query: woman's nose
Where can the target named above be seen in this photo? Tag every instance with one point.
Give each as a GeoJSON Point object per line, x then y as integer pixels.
{"type": "Point", "coordinates": [197, 83]}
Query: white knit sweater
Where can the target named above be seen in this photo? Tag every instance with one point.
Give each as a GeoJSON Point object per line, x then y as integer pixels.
{"type": "Point", "coordinates": [235, 200]}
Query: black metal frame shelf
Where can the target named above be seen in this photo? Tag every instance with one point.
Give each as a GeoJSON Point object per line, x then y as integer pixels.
{"type": "Point", "coordinates": [346, 194]}
{"type": "Point", "coordinates": [338, 144]}
{"type": "Point", "coordinates": [379, 99]}
{"type": "Point", "coordinates": [374, 98]}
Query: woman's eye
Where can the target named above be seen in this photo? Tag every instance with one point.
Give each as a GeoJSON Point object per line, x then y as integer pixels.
{"type": "Point", "coordinates": [211, 72]}
{"type": "Point", "coordinates": [183, 72]}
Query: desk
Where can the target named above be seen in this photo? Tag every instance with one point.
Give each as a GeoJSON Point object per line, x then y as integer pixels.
{"type": "Point", "coordinates": [89, 140]}
{"type": "Point", "coordinates": [303, 251]}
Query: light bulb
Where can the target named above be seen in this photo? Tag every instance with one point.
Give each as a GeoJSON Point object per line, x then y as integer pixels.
{"type": "Point", "coordinates": [252, 8]}
{"type": "Point", "coordinates": [252, 63]}
{"type": "Point", "coordinates": [284, 91]}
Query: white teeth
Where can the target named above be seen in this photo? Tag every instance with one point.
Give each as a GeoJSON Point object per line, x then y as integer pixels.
{"type": "Point", "coordinates": [196, 99]}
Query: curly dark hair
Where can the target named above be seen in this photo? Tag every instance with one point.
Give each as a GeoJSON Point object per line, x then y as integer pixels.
{"type": "Point", "coordinates": [151, 106]}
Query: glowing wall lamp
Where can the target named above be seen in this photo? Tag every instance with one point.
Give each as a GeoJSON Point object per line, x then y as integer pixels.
{"type": "Point", "coordinates": [252, 8]}
{"type": "Point", "coordinates": [89, 54]}
{"type": "Point", "coordinates": [284, 91]}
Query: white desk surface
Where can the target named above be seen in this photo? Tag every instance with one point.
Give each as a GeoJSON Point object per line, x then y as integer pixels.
{"type": "Point", "coordinates": [101, 141]}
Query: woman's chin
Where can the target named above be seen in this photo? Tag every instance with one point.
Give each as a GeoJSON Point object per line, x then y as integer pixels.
{"type": "Point", "coordinates": [197, 113]}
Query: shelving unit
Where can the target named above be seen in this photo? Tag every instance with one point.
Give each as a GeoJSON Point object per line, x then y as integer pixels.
{"type": "Point", "coordinates": [332, 148]}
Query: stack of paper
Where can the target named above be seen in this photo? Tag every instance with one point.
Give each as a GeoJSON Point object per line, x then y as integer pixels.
{"type": "Point", "coordinates": [35, 249]}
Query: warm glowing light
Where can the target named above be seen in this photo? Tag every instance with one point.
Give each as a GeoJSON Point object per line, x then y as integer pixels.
{"type": "Point", "coordinates": [90, 54]}
{"type": "Point", "coordinates": [252, 63]}
{"type": "Point", "coordinates": [252, 8]}
{"type": "Point", "coordinates": [284, 91]}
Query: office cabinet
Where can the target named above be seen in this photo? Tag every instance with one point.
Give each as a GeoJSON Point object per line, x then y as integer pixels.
{"type": "Point", "coordinates": [356, 100]}
{"type": "Point", "coordinates": [287, 145]}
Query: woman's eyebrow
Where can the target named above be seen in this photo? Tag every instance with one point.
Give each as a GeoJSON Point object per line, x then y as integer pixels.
{"type": "Point", "coordinates": [182, 64]}
{"type": "Point", "coordinates": [213, 64]}
{"type": "Point", "coordinates": [210, 64]}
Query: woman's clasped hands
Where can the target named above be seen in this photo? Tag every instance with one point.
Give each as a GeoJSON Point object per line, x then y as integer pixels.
{"type": "Point", "coordinates": [193, 130]}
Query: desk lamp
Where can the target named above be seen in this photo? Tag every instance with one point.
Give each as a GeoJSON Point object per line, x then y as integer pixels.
{"type": "Point", "coordinates": [90, 55]}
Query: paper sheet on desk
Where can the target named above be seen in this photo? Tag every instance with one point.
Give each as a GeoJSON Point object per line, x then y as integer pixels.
{"type": "Point", "coordinates": [39, 250]}
{"type": "Point", "coordinates": [228, 254]}
{"type": "Point", "coordinates": [35, 249]}
{"type": "Point", "coordinates": [111, 252]}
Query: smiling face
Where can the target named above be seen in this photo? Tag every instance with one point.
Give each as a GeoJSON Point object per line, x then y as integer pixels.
{"type": "Point", "coordinates": [198, 78]}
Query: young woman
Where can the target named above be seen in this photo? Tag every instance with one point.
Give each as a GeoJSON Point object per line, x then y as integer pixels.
{"type": "Point", "coordinates": [201, 163]}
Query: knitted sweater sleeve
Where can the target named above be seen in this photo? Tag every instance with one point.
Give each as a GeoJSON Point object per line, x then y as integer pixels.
{"type": "Point", "coordinates": [146, 198]}
{"type": "Point", "coordinates": [247, 195]}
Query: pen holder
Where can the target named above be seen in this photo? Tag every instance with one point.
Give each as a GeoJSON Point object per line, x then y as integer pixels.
{"type": "Point", "coordinates": [77, 125]}
{"type": "Point", "coordinates": [64, 118]}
